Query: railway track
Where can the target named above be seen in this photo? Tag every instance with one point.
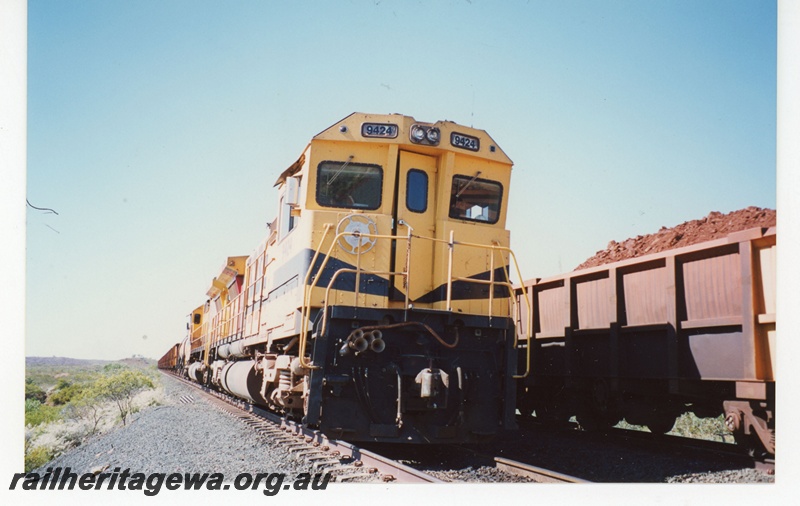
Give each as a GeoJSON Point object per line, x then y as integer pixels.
{"type": "Point", "coordinates": [669, 442]}
{"type": "Point", "coordinates": [666, 443]}
{"type": "Point", "coordinates": [349, 462]}
{"type": "Point", "coordinates": [538, 453]}
{"type": "Point", "coordinates": [346, 461]}
{"type": "Point", "coordinates": [473, 464]}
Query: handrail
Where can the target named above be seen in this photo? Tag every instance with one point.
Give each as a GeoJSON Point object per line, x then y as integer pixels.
{"type": "Point", "coordinates": [234, 313]}
{"type": "Point", "coordinates": [493, 248]}
{"type": "Point", "coordinates": [231, 319]}
{"type": "Point", "coordinates": [355, 271]}
{"type": "Point", "coordinates": [451, 244]}
{"type": "Point", "coordinates": [306, 308]}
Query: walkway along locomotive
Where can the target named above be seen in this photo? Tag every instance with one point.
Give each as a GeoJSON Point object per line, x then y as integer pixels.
{"type": "Point", "coordinates": [380, 305]}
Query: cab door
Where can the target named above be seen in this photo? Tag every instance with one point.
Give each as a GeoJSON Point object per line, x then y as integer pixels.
{"type": "Point", "coordinates": [416, 207]}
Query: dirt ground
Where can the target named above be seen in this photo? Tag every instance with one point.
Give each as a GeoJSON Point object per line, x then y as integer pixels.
{"type": "Point", "coordinates": [713, 226]}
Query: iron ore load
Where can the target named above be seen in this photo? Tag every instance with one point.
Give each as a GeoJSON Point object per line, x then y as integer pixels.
{"type": "Point", "coordinates": [649, 338]}
{"type": "Point", "coordinates": [380, 306]}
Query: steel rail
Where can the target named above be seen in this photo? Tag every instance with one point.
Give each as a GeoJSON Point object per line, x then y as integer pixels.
{"type": "Point", "coordinates": [666, 442]}
{"type": "Point", "coordinates": [537, 474]}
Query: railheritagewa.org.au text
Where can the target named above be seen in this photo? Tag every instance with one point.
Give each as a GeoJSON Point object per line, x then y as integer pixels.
{"type": "Point", "coordinates": [151, 484]}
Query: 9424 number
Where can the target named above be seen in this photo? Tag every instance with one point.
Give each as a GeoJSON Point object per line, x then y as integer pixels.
{"type": "Point", "coordinates": [465, 141]}
{"type": "Point", "coordinates": [379, 130]}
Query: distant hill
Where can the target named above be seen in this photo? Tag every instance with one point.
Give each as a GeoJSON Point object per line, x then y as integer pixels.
{"type": "Point", "coordinates": [136, 361]}
{"type": "Point", "coordinates": [62, 361]}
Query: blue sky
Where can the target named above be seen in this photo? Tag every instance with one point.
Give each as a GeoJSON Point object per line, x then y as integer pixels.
{"type": "Point", "coordinates": [157, 129]}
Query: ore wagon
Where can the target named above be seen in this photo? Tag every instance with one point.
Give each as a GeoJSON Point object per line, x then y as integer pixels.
{"type": "Point", "coordinates": [647, 339]}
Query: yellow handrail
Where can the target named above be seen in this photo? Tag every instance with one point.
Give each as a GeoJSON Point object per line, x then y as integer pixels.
{"type": "Point", "coordinates": [306, 308]}
{"type": "Point", "coordinates": [493, 248]}
{"type": "Point", "coordinates": [308, 288]}
{"type": "Point", "coordinates": [355, 271]}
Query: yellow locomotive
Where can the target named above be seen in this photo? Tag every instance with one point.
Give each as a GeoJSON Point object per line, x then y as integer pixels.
{"type": "Point", "coordinates": [380, 305]}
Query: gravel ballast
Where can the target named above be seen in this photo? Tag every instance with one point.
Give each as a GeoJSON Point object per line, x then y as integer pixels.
{"type": "Point", "coordinates": [186, 435]}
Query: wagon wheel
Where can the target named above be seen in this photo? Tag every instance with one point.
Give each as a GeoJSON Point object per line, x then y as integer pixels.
{"type": "Point", "coordinates": [597, 412]}
{"type": "Point", "coordinates": [661, 425]}
{"type": "Point", "coordinates": [594, 422]}
{"type": "Point", "coordinates": [525, 402]}
{"type": "Point", "coordinates": [551, 412]}
{"type": "Point", "coordinates": [661, 418]}
{"type": "Point", "coordinates": [551, 408]}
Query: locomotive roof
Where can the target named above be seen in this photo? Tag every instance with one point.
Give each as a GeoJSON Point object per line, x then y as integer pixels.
{"type": "Point", "coordinates": [350, 129]}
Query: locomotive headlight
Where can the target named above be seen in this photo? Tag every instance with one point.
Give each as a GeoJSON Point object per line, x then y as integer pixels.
{"type": "Point", "coordinates": [417, 133]}
{"type": "Point", "coordinates": [425, 135]}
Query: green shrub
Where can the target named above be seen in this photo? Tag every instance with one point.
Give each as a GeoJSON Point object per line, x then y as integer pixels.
{"type": "Point", "coordinates": [34, 391]}
{"type": "Point", "coordinates": [689, 425]}
{"type": "Point", "coordinates": [65, 392]}
{"type": "Point", "coordinates": [37, 413]}
{"type": "Point", "coordinates": [113, 367]}
{"type": "Point", "coordinates": [37, 457]}
{"type": "Point", "coordinates": [86, 407]}
{"type": "Point", "coordinates": [121, 388]}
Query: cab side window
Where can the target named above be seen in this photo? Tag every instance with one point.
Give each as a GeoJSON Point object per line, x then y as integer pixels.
{"type": "Point", "coordinates": [475, 199]}
{"type": "Point", "coordinates": [287, 220]}
{"type": "Point", "coordinates": [349, 185]}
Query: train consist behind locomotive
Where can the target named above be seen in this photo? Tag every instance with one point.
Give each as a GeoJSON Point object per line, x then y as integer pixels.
{"type": "Point", "coordinates": [647, 339]}
{"type": "Point", "coordinates": [380, 306]}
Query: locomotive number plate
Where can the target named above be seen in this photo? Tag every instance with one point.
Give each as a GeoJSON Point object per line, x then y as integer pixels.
{"type": "Point", "coordinates": [465, 141]}
{"type": "Point", "coordinates": [387, 130]}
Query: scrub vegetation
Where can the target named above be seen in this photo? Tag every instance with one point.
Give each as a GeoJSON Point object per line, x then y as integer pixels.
{"type": "Point", "coordinates": [690, 425]}
{"type": "Point", "coordinates": [68, 401]}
